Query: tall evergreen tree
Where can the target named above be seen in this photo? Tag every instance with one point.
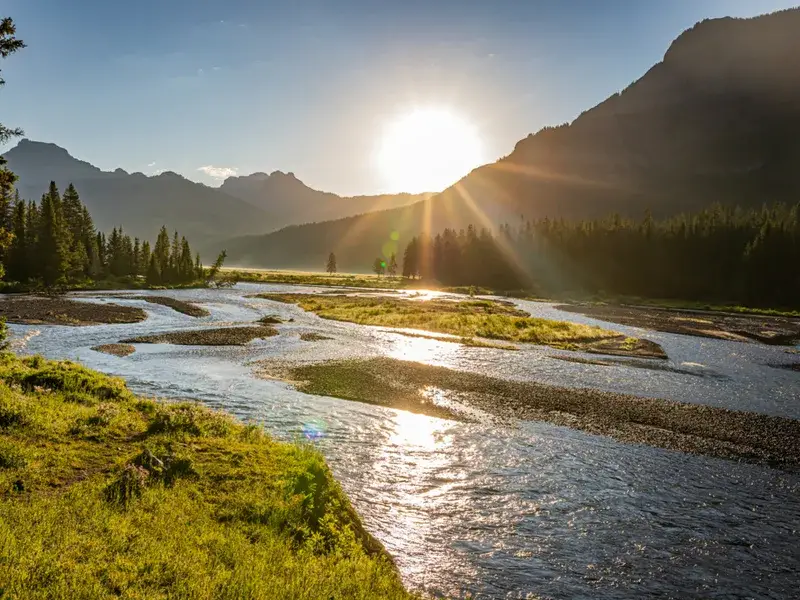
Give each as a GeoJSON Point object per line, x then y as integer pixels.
{"type": "Point", "coordinates": [51, 250]}
{"type": "Point", "coordinates": [331, 266]}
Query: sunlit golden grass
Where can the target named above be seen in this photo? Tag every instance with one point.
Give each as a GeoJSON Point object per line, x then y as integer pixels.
{"type": "Point", "coordinates": [103, 495]}
{"type": "Point", "coordinates": [357, 280]}
{"type": "Point", "coordinates": [465, 319]}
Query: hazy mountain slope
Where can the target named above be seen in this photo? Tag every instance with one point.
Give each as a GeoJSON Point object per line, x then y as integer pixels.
{"type": "Point", "coordinates": [288, 200]}
{"type": "Point", "coordinates": [139, 203]}
{"type": "Point", "coordinates": [718, 119]}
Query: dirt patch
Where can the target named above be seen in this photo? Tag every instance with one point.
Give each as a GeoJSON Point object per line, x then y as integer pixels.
{"type": "Point", "coordinates": [314, 337]}
{"type": "Point", "coordinates": [115, 349]}
{"type": "Point", "coordinates": [186, 308]}
{"type": "Point", "coordinates": [771, 330]}
{"type": "Point", "coordinates": [224, 336]}
{"type": "Point", "coordinates": [63, 311]}
{"type": "Point", "coordinates": [789, 367]}
{"type": "Point", "coordinates": [638, 364]}
{"type": "Point", "coordinates": [692, 428]}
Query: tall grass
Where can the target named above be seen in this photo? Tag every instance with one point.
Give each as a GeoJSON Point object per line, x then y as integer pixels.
{"type": "Point", "coordinates": [103, 495]}
{"type": "Point", "coordinates": [466, 319]}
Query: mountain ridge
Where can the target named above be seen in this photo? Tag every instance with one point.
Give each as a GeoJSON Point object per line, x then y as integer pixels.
{"type": "Point", "coordinates": [142, 203]}
{"type": "Point", "coordinates": [717, 120]}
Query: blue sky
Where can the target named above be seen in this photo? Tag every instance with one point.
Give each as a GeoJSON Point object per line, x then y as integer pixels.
{"type": "Point", "coordinates": [309, 85]}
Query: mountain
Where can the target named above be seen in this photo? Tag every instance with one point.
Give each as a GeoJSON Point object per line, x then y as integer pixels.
{"type": "Point", "coordinates": [139, 203]}
{"type": "Point", "coordinates": [288, 200]}
{"type": "Point", "coordinates": [717, 120]}
{"type": "Point", "coordinates": [255, 203]}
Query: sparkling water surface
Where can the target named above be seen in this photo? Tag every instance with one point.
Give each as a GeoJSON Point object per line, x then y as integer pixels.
{"type": "Point", "coordinates": [527, 510]}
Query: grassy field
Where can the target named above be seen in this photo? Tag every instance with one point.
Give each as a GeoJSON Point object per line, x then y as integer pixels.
{"type": "Point", "coordinates": [322, 279]}
{"type": "Point", "coordinates": [103, 494]}
{"type": "Point", "coordinates": [467, 319]}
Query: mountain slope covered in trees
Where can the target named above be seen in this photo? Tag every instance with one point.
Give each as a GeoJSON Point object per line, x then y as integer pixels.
{"type": "Point", "coordinates": [717, 120]}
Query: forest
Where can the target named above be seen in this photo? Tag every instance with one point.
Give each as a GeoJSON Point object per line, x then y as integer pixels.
{"type": "Point", "coordinates": [721, 254]}
{"type": "Point", "coordinates": [54, 243]}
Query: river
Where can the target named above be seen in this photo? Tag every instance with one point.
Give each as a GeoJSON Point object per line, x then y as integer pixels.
{"type": "Point", "coordinates": [528, 510]}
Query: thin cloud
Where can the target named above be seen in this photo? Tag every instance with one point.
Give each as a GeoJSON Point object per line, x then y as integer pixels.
{"type": "Point", "coordinates": [218, 172]}
{"type": "Point", "coordinates": [152, 164]}
{"type": "Point", "coordinates": [158, 172]}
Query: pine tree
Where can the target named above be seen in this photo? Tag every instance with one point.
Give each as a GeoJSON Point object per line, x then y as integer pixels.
{"type": "Point", "coordinates": [198, 267]}
{"type": "Point", "coordinates": [378, 266]}
{"type": "Point", "coordinates": [51, 251]}
{"type": "Point", "coordinates": [161, 251]}
{"type": "Point", "coordinates": [331, 267]}
{"type": "Point", "coordinates": [8, 45]}
{"type": "Point", "coordinates": [153, 273]}
{"type": "Point", "coordinates": [135, 257]}
{"type": "Point", "coordinates": [144, 258]}
{"type": "Point", "coordinates": [392, 266]}
{"type": "Point", "coordinates": [411, 260]}
{"type": "Point", "coordinates": [18, 254]}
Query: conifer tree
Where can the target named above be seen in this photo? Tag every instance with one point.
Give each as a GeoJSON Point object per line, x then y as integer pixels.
{"type": "Point", "coordinates": [331, 266]}
{"type": "Point", "coordinates": [51, 251]}
{"type": "Point", "coordinates": [391, 268]}
{"type": "Point", "coordinates": [378, 266]}
{"type": "Point", "coordinates": [153, 273]}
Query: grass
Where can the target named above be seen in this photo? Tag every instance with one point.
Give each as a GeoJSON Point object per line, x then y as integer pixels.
{"type": "Point", "coordinates": [467, 319]}
{"type": "Point", "coordinates": [103, 494]}
{"type": "Point", "coordinates": [355, 280]}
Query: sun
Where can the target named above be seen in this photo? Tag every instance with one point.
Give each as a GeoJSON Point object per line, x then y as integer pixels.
{"type": "Point", "coordinates": [428, 150]}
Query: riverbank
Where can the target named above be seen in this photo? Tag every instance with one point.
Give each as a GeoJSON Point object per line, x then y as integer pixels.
{"type": "Point", "coordinates": [765, 329]}
{"type": "Point", "coordinates": [469, 319]}
{"type": "Point", "coordinates": [105, 494]}
{"type": "Point", "coordinates": [34, 310]}
{"type": "Point", "coordinates": [438, 391]}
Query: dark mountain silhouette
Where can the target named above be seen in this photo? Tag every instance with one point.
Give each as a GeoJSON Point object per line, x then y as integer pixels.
{"type": "Point", "coordinates": [256, 203]}
{"type": "Point", "coordinates": [288, 200]}
{"type": "Point", "coordinates": [717, 120]}
{"type": "Point", "coordinates": [139, 203]}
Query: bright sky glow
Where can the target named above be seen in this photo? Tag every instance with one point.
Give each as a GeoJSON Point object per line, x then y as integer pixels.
{"type": "Point", "coordinates": [427, 150]}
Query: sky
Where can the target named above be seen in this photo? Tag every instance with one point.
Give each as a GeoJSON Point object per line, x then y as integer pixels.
{"type": "Point", "coordinates": [210, 88]}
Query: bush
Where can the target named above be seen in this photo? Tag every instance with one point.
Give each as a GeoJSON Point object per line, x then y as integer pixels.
{"type": "Point", "coordinates": [11, 457]}
{"type": "Point", "coordinates": [190, 419]}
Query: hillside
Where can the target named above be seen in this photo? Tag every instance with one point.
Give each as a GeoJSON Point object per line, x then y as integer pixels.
{"type": "Point", "coordinates": [717, 120]}
{"type": "Point", "coordinates": [138, 202]}
{"type": "Point", "coordinates": [287, 200]}
{"type": "Point", "coordinates": [257, 203]}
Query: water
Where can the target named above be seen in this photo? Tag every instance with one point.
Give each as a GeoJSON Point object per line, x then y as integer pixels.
{"type": "Point", "coordinates": [529, 510]}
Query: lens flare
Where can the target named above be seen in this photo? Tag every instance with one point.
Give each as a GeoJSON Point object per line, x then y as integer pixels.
{"type": "Point", "coordinates": [314, 430]}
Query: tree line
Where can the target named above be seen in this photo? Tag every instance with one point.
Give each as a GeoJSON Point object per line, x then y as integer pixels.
{"type": "Point", "coordinates": [54, 242]}
{"type": "Point", "coordinates": [719, 254]}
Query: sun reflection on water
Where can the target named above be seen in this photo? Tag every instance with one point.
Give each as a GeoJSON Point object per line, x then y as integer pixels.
{"type": "Point", "coordinates": [419, 349]}
{"type": "Point", "coordinates": [418, 431]}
